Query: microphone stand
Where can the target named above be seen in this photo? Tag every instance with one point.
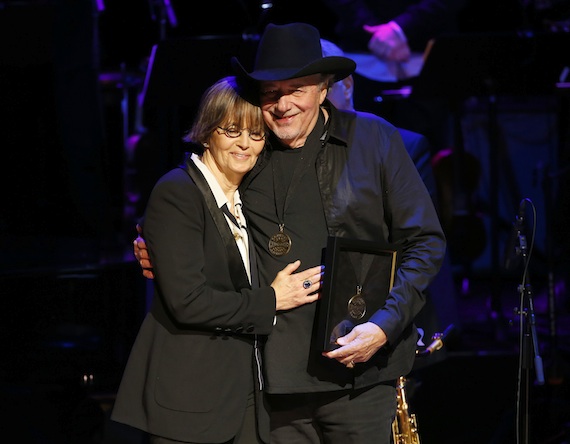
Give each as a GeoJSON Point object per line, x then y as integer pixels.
{"type": "Point", "coordinates": [528, 347]}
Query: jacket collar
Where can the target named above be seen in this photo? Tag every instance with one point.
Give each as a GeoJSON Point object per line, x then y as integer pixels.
{"type": "Point", "coordinates": [338, 126]}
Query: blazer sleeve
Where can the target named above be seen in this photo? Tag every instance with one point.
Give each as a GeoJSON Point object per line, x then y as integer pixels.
{"type": "Point", "coordinates": [192, 276]}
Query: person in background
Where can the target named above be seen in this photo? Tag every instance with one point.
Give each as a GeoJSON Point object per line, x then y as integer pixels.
{"type": "Point", "coordinates": [194, 372]}
{"type": "Point", "coordinates": [390, 40]}
{"type": "Point", "coordinates": [391, 31]}
{"type": "Point", "coordinates": [341, 95]}
{"type": "Point", "coordinates": [303, 190]}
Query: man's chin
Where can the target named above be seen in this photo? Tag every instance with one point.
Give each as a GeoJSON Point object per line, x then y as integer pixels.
{"type": "Point", "coordinates": [285, 136]}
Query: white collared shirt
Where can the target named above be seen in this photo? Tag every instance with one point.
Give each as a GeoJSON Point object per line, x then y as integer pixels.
{"type": "Point", "coordinates": [240, 234]}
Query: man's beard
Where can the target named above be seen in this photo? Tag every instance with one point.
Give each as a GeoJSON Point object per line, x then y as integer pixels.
{"type": "Point", "coordinates": [287, 135]}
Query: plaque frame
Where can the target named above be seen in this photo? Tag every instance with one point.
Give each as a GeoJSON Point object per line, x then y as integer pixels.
{"type": "Point", "coordinates": [340, 282]}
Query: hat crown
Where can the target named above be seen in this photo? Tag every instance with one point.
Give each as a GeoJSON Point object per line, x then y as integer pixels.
{"type": "Point", "coordinates": [291, 51]}
{"type": "Point", "coordinates": [293, 45]}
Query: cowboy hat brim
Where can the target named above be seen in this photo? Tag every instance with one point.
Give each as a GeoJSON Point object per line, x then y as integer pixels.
{"type": "Point", "coordinates": [340, 67]}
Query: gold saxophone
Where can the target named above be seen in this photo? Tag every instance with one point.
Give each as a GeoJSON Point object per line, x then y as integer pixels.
{"type": "Point", "coordinates": [405, 426]}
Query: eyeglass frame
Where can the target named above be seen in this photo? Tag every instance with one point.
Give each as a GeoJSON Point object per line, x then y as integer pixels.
{"type": "Point", "coordinates": [239, 132]}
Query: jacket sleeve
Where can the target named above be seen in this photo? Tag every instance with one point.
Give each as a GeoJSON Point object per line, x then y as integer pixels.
{"type": "Point", "coordinates": [190, 261]}
{"type": "Point", "coordinates": [413, 223]}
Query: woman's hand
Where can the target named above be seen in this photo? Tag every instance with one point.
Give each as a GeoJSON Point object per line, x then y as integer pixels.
{"type": "Point", "coordinates": [295, 289]}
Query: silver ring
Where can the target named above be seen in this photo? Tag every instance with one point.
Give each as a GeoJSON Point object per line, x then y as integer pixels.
{"type": "Point", "coordinates": [307, 284]}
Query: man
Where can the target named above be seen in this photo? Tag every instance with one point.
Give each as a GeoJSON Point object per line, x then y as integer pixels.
{"type": "Point", "coordinates": [330, 172]}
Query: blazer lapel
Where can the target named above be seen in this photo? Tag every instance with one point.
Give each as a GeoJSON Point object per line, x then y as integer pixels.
{"type": "Point", "coordinates": [237, 270]}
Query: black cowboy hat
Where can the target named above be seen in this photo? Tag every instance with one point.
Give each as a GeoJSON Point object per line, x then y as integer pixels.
{"type": "Point", "coordinates": [291, 51]}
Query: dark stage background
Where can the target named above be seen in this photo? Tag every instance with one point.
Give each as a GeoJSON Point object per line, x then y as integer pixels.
{"type": "Point", "coordinates": [81, 150]}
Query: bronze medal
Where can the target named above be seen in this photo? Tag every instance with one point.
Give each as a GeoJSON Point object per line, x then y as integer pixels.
{"type": "Point", "coordinates": [357, 307]}
{"type": "Point", "coordinates": [279, 244]}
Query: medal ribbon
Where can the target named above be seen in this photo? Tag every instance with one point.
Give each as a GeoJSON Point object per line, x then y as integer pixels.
{"type": "Point", "coordinates": [363, 264]}
{"type": "Point", "coordinates": [308, 156]}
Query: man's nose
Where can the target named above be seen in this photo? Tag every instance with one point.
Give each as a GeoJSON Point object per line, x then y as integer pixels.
{"type": "Point", "coordinates": [283, 102]}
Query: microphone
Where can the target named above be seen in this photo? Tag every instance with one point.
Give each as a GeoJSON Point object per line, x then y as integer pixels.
{"type": "Point", "coordinates": [437, 343]}
{"type": "Point", "coordinates": [513, 252]}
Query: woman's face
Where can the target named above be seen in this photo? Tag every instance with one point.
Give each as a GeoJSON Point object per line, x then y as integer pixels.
{"type": "Point", "coordinates": [232, 152]}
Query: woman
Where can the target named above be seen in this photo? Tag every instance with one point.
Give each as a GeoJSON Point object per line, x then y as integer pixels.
{"type": "Point", "coordinates": [194, 373]}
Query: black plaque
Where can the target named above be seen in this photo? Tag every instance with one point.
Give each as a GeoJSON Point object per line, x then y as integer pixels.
{"type": "Point", "coordinates": [358, 277]}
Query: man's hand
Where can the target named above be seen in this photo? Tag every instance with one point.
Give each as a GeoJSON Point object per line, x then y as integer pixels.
{"type": "Point", "coordinates": [388, 42]}
{"type": "Point", "coordinates": [141, 254]}
{"type": "Point", "coordinates": [359, 345]}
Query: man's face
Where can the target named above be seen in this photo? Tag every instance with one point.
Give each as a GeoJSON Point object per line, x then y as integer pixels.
{"type": "Point", "coordinates": [291, 107]}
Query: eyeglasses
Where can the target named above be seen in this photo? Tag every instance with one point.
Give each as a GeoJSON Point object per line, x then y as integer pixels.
{"type": "Point", "coordinates": [232, 132]}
